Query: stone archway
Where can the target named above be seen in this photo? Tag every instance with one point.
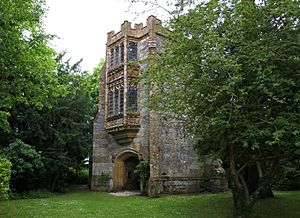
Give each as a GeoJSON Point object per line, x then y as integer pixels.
{"type": "Point", "coordinates": [123, 171]}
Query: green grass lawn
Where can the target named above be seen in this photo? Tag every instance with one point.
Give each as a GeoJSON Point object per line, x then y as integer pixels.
{"type": "Point", "coordinates": [95, 204]}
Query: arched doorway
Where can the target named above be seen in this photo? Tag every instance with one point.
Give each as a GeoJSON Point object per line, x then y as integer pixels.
{"type": "Point", "coordinates": [124, 177]}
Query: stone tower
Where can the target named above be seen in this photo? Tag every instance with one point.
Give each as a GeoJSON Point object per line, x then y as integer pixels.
{"type": "Point", "coordinates": [126, 131]}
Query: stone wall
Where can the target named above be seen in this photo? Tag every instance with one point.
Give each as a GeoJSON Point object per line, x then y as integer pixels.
{"type": "Point", "coordinates": [179, 170]}
{"type": "Point", "coordinates": [174, 165]}
{"type": "Point", "coordinates": [102, 159]}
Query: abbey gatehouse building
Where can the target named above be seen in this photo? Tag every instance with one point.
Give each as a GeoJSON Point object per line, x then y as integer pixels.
{"type": "Point", "coordinates": [126, 131]}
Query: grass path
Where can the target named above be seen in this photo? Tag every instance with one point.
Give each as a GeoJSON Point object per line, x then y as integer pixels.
{"type": "Point", "coordinates": [95, 204]}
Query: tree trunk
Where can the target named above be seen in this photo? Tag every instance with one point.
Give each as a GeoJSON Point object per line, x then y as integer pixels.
{"type": "Point", "coordinates": [142, 186]}
{"type": "Point", "coordinates": [266, 192]}
{"type": "Point", "coordinates": [241, 209]}
{"type": "Point", "coordinates": [253, 175]}
{"type": "Point", "coordinates": [53, 184]}
{"type": "Point", "coordinates": [240, 192]}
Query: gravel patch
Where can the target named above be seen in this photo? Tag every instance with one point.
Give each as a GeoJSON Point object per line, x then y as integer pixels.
{"type": "Point", "coordinates": [125, 193]}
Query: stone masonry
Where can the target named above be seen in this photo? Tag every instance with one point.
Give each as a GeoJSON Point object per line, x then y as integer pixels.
{"type": "Point", "coordinates": [126, 131]}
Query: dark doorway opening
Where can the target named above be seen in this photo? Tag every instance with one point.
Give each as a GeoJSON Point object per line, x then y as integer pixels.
{"type": "Point", "coordinates": [131, 179]}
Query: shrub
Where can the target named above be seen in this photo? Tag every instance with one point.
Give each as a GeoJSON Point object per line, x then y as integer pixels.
{"type": "Point", "coordinates": [78, 177]}
{"type": "Point", "coordinates": [40, 193]}
{"type": "Point", "coordinates": [143, 171]}
{"type": "Point", "coordinates": [289, 178]}
{"type": "Point", "coordinates": [26, 166]}
{"type": "Point", "coordinates": [103, 181]}
{"type": "Point", "coordinates": [5, 171]}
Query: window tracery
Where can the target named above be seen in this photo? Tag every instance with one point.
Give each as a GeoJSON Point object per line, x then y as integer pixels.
{"type": "Point", "coordinates": [116, 105]}
{"type": "Point", "coordinates": [132, 51]}
{"type": "Point", "coordinates": [110, 103]}
{"type": "Point", "coordinates": [132, 99]}
{"type": "Point", "coordinates": [122, 53]}
{"type": "Point", "coordinates": [122, 99]}
{"type": "Point", "coordinates": [117, 55]}
{"type": "Point", "coordinates": [111, 57]}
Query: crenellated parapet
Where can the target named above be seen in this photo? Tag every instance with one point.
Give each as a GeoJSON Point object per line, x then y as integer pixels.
{"type": "Point", "coordinates": [137, 32]}
{"type": "Point", "coordinates": [124, 50]}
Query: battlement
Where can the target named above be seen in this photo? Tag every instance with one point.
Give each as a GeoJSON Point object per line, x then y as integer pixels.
{"type": "Point", "coordinates": [138, 30]}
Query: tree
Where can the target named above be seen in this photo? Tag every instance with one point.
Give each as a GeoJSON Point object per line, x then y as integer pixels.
{"type": "Point", "coordinates": [26, 61]}
{"type": "Point", "coordinates": [44, 101]}
{"type": "Point", "coordinates": [230, 72]}
{"type": "Point", "coordinates": [26, 165]}
{"type": "Point", "coordinates": [63, 132]}
{"type": "Point", "coordinates": [92, 84]}
{"type": "Point", "coordinates": [5, 171]}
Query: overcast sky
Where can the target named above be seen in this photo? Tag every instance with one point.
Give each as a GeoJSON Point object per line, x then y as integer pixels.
{"type": "Point", "coordinates": [82, 26]}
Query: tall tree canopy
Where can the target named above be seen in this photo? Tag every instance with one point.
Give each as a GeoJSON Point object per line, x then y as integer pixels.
{"type": "Point", "coordinates": [46, 104]}
{"type": "Point", "coordinates": [26, 61]}
{"type": "Point", "coordinates": [231, 72]}
{"type": "Point", "coordinates": [63, 133]}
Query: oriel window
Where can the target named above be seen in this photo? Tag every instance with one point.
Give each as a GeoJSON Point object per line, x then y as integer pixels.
{"type": "Point", "coordinates": [122, 53]}
{"type": "Point", "coordinates": [121, 99]}
{"type": "Point", "coordinates": [111, 57]}
{"type": "Point", "coordinates": [132, 51]}
{"type": "Point", "coordinates": [110, 103]}
{"type": "Point", "coordinates": [117, 55]}
{"type": "Point", "coordinates": [116, 106]}
{"type": "Point", "coordinates": [132, 99]}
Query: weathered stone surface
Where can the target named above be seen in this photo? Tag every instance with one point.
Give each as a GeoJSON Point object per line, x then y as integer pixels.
{"type": "Point", "coordinates": [100, 159]}
{"type": "Point", "coordinates": [174, 165]}
{"type": "Point", "coordinates": [154, 187]}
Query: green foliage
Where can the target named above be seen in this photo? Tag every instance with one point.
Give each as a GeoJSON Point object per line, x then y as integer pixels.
{"type": "Point", "coordinates": [143, 169]}
{"type": "Point", "coordinates": [35, 194]}
{"type": "Point", "coordinates": [103, 179]}
{"type": "Point", "coordinates": [26, 163]}
{"type": "Point", "coordinates": [62, 133]}
{"type": "Point", "coordinates": [230, 73]}
{"type": "Point", "coordinates": [79, 177]}
{"type": "Point", "coordinates": [4, 124]}
{"type": "Point", "coordinates": [45, 101]}
{"type": "Point", "coordinates": [92, 84]}
{"type": "Point", "coordinates": [289, 177]}
{"type": "Point", "coordinates": [26, 61]}
{"type": "Point", "coordinates": [5, 171]}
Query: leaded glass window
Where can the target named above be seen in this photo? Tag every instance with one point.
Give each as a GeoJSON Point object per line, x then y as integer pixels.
{"type": "Point", "coordinates": [111, 57]}
{"type": "Point", "coordinates": [132, 99]}
{"type": "Point", "coordinates": [122, 53]}
{"type": "Point", "coordinates": [116, 106]}
{"type": "Point", "coordinates": [132, 51]}
{"type": "Point", "coordinates": [117, 55]}
{"type": "Point", "coordinates": [121, 99]}
{"type": "Point", "coordinates": [110, 103]}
